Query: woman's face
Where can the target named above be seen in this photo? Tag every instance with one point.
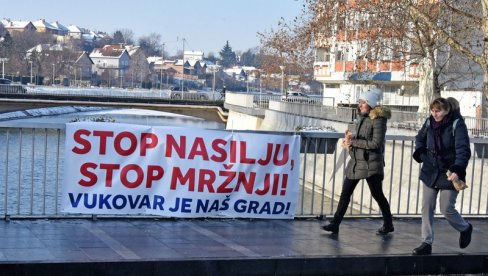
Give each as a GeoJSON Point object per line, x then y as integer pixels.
{"type": "Point", "coordinates": [438, 113]}
{"type": "Point", "coordinates": [363, 106]}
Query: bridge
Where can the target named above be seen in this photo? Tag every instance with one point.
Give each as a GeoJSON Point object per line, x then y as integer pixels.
{"type": "Point", "coordinates": [209, 107]}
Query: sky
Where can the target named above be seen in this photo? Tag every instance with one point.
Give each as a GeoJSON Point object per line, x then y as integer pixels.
{"type": "Point", "coordinates": [205, 25]}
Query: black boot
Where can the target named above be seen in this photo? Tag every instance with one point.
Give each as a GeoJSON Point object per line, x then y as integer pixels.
{"type": "Point", "coordinates": [465, 236]}
{"type": "Point", "coordinates": [423, 249]}
{"type": "Point", "coordinates": [385, 229]}
{"type": "Point", "coordinates": [331, 227]}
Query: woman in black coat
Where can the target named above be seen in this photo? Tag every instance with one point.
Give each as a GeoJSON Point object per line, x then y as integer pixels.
{"type": "Point", "coordinates": [366, 149]}
{"type": "Point", "coordinates": [442, 145]}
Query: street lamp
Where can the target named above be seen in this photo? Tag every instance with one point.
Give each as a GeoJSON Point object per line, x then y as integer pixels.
{"type": "Point", "coordinates": [213, 83]}
{"type": "Point", "coordinates": [54, 68]}
{"type": "Point", "coordinates": [30, 61]}
{"type": "Point", "coordinates": [260, 78]}
{"type": "Point", "coordinates": [3, 60]}
{"type": "Point", "coordinates": [282, 67]}
{"type": "Point", "coordinates": [162, 63]}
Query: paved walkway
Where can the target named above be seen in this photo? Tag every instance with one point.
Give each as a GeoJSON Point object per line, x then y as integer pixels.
{"type": "Point", "coordinates": [231, 247]}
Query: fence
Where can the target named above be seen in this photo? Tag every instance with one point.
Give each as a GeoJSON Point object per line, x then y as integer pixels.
{"type": "Point", "coordinates": [477, 127]}
{"type": "Point", "coordinates": [143, 94]}
{"type": "Point", "coordinates": [31, 166]}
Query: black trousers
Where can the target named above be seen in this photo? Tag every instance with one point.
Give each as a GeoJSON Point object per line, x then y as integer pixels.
{"type": "Point", "coordinates": [375, 183]}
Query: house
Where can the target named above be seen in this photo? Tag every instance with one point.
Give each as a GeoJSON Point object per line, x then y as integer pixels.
{"type": "Point", "coordinates": [252, 73]}
{"type": "Point", "coordinates": [66, 63]}
{"type": "Point", "coordinates": [236, 73]}
{"type": "Point", "coordinates": [193, 55]}
{"type": "Point", "coordinates": [62, 30]}
{"type": "Point", "coordinates": [83, 65]}
{"type": "Point", "coordinates": [43, 26]}
{"type": "Point", "coordinates": [44, 50]}
{"type": "Point", "coordinates": [195, 67]}
{"type": "Point", "coordinates": [139, 66]}
{"type": "Point", "coordinates": [177, 66]}
{"type": "Point", "coordinates": [18, 26]}
{"type": "Point", "coordinates": [111, 59]}
{"type": "Point", "coordinates": [75, 32]}
{"type": "Point", "coordinates": [158, 65]}
{"type": "Point", "coordinates": [91, 36]}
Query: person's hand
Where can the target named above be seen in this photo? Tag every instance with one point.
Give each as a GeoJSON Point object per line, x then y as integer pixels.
{"type": "Point", "coordinates": [347, 138]}
{"type": "Point", "coordinates": [346, 143]}
{"type": "Point", "coordinates": [452, 176]}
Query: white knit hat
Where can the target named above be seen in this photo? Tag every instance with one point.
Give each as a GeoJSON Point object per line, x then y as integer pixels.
{"type": "Point", "coordinates": [371, 97]}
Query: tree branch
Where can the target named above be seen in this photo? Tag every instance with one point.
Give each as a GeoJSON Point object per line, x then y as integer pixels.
{"type": "Point", "coordinates": [444, 35]}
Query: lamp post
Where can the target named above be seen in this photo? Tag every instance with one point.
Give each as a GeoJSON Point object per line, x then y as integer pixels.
{"type": "Point", "coordinates": [30, 61]}
{"type": "Point", "coordinates": [282, 67]}
{"type": "Point", "coordinates": [162, 63]}
{"type": "Point", "coordinates": [213, 83]}
{"type": "Point", "coordinates": [3, 60]}
{"type": "Point", "coordinates": [260, 86]}
{"type": "Point", "coordinates": [54, 69]}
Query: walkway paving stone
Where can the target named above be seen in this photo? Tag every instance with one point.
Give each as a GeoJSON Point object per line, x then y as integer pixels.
{"type": "Point", "coordinates": [237, 246]}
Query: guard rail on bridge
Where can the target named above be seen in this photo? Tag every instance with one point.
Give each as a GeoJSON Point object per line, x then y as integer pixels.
{"type": "Point", "coordinates": [12, 89]}
{"type": "Point", "coordinates": [31, 166]}
{"type": "Point", "coordinates": [112, 94]}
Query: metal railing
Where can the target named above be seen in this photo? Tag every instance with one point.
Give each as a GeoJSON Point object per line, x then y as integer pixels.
{"type": "Point", "coordinates": [31, 166]}
{"type": "Point", "coordinates": [117, 93]}
{"type": "Point", "coordinates": [477, 127]}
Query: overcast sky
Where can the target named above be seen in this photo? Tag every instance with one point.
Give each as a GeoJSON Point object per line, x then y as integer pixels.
{"type": "Point", "coordinates": [204, 24]}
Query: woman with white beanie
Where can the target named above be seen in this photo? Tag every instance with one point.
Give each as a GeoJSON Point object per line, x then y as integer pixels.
{"type": "Point", "coordinates": [366, 149]}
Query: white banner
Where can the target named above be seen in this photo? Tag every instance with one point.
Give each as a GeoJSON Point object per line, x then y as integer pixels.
{"type": "Point", "coordinates": [179, 172]}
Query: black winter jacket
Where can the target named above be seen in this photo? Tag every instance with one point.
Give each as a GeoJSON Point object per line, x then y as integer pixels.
{"type": "Point", "coordinates": [456, 152]}
{"type": "Point", "coordinates": [368, 144]}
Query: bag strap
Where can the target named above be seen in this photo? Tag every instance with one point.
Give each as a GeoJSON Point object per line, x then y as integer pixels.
{"type": "Point", "coordinates": [454, 124]}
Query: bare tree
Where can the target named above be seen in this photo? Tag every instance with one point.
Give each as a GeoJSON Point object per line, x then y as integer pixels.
{"type": "Point", "coordinates": [151, 44]}
{"type": "Point", "coordinates": [466, 33]}
{"type": "Point", "coordinates": [128, 36]}
{"type": "Point", "coordinates": [382, 31]}
{"type": "Point", "coordinates": [289, 46]}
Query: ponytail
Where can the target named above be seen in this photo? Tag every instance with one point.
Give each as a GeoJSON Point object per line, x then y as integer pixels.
{"type": "Point", "coordinates": [454, 104]}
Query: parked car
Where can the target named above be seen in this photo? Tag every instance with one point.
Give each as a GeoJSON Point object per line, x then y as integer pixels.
{"type": "Point", "coordinates": [297, 97]}
{"type": "Point", "coordinates": [5, 81]}
{"type": "Point", "coordinates": [184, 94]}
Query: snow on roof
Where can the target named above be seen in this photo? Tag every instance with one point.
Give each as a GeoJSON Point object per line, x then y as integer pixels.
{"type": "Point", "coordinates": [192, 62]}
{"type": "Point", "coordinates": [74, 29]}
{"type": "Point", "coordinates": [107, 51]}
{"type": "Point", "coordinates": [179, 62]}
{"type": "Point", "coordinates": [248, 68]}
{"type": "Point", "coordinates": [235, 70]}
{"type": "Point", "coordinates": [154, 59]}
{"type": "Point", "coordinates": [16, 24]}
{"type": "Point", "coordinates": [45, 47]}
{"type": "Point", "coordinates": [42, 23]}
{"type": "Point", "coordinates": [132, 49]}
{"type": "Point", "coordinates": [59, 26]}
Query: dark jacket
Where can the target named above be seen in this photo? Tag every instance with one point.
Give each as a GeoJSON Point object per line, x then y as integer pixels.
{"type": "Point", "coordinates": [455, 154]}
{"type": "Point", "coordinates": [368, 144]}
